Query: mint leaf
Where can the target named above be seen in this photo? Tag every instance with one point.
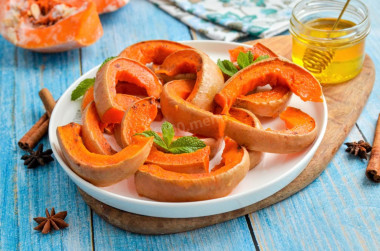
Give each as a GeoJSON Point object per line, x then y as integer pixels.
{"type": "Point", "coordinates": [187, 144]}
{"type": "Point", "coordinates": [167, 132]}
{"type": "Point", "coordinates": [82, 88]}
{"type": "Point", "coordinates": [156, 138]}
{"type": "Point", "coordinates": [259, 58]}
{"type": "Point", "coordinates": [105, 61]}
{"type": "Point", "coordinates": [227, 67]}
{"type": "Point", "coordinates": [244, 59]}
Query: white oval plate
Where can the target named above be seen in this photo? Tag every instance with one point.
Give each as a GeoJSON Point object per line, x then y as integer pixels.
{"type": "Point", "coordinates": [272, 174]}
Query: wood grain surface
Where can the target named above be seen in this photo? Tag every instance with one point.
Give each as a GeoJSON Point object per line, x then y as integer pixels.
{"type": "Point", "coordinates": [345, 103]}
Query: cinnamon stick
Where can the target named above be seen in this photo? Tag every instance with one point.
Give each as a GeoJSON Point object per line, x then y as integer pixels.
{"type": "Point", "coordinates": [47, 100]}
{"type": "Point", "coordinates": [40, 128]}
{"type": "Point", "coordinates": [373, 168]}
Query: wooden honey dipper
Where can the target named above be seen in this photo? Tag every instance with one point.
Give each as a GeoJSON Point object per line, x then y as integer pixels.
{"type": "Point", "coordinates": [315, 60]}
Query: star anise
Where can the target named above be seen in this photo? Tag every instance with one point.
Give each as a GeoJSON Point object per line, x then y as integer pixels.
{"type": "Point", "coordinates": [37, 158]}
{"type": "Point", "coordinates": [359, 149]}
{"type": "Point", "coordinates": [51, 220]}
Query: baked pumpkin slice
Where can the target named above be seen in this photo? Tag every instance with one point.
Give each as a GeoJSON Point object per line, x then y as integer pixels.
{"type": "Point", "coordinates": [272, 71]}
{"type": "Point", "coordinates": [300, 133]}
{"type": "Point", "coordinates": [187, 116]}
{"type": "Point", "coordinates": [238, 116]}
{"type": "Point", "coordinates": [266, 103]}
{"type": "Point", "coordinates": [137, 119]}
{"type": "Point", "coordinates": [257, 50]}
{"type": "Point", "coordinates": [50, 26]}
{"type": "Point", "coordinates": [209, 78]}
{"type": "Point", "coordinates": [156, 183]}
{"type": "Point", "coordinates": [194, 162]}
{"type": "Point", "coordinates": [152, 51]}
{"type": "Point", "coordinates": [98, 169]}
{"type": "Point", "coordinates": [124, 70]}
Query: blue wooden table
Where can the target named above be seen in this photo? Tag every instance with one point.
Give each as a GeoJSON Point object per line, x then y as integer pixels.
{"type": "Point", "coordinates": [339, 210]}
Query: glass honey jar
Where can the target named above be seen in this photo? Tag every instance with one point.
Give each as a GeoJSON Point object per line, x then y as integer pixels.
{"type": "Point", "coordinates": [331, 55]}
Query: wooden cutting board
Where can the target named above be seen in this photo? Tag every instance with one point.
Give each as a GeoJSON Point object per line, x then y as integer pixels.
{"type": "Point", "coordinates": [345, 103]}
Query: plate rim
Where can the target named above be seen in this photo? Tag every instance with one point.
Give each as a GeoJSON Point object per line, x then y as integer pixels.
{"type": "Point", "coordinates": [107, 196]}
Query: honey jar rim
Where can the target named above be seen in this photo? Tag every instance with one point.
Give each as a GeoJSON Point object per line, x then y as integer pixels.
{"type": "Point", "coordinates": [364, 24]}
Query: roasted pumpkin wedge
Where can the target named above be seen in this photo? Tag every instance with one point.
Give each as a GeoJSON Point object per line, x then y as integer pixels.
{"type": "Point", "coordinates": [50, 26]}
{"type": "Point", "coordinates": [137, 119]}
{"type": "Point", "coordinates": [156, 183]}
{"type": "Point", "coordinates": [152, 51]}
{"type": "Point", "coordinates": [266, 103]}
{"type": "Point", "coordinates": [209, 79]}
{"type": "Point", "coordinates": [186, 116]}
{"type": "Point", "coordinates": [101, 170]}
{"type": "Point", "coordinates": [300, 133]}
{"type": "Point", "coordinates": [258, 49]}
{"type": "Point", "coordinates": [105, 6]}
{"type": "Point", "coordinates": [92, 132]}
{"type": "Point", "coordinates": [272, 71]}
{"type": "Point", "coordinates": [246, 117]}
{"type": "Point", "coordinates": [124, 70]}
{"type": "Point", "coordinates": [195, 162]}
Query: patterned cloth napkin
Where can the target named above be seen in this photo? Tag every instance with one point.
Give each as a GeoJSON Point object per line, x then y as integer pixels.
{"type": "Point", "coordinates": [229, 20]}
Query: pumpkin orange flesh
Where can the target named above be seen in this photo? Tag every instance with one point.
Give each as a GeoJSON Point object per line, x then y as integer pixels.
{"type": "Point", "coordinates": [209, 79]}
{"type": "Point", "coordinates": [156, 183]}
{"type": "Point", "coordinates": [88, 97]}
{"type": "Point", "coordinates": [101, 170]}
{"type": "Point", "coordinates": [266, 103]}
{"type": "Point", "coordinates": [195, 162]}
{"type": "Point", "coordinates": [137, 119]}
{"type": "Point", "coordinates": [153, 51]}
{"type": "Point", "coordinates": [105, 6]}
{"type": "Point", "coordinates": [124, 70]}
{"type": "Point", "coordinates": [242, 116]}
{"type": "Point", "coordinates": [131, 89]}
{"type": "Point", "coordinates": [274, 71]}
{"type": "Point", "coordinates": [297, 121]}
{"type": "Point", "coordinates": [186, 116]}
{"type": "Point", "coordinates": [276, 93]}
{"type": "Point", "coordinates": [300, 133]}
{"type": "Point", "coordinates": [92, 133]}
{"type": "Point", "coordinates": [257, 50]}
{"type": "Point", "coordinates": [52, 30]}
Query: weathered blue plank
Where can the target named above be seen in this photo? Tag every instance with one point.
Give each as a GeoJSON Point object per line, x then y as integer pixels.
{"type": "Point", "coordinates": [231, 235]}
{"type": "Point", "coordinates": [26, 193]}
{"type": "Point", "coordinates": [339, 210]}
{"type": "Point", "coordinates": [8, 172]}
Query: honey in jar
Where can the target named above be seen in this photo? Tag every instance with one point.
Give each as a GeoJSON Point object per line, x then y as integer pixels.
{"type": "Point", "coordinates": [332, 56]}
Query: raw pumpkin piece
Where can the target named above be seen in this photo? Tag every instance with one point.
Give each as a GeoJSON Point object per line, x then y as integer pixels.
{"type": "Point", "coordinates": [300, 134]}
{"type": "Point", "coordinates": [266, 103]}
{"type": "Point", "coordinates": [137, 119]}
{"type": "Point", "coordinates": [273, 71]}
{"type": "Point", "coordinates": [101, 170]}
{"type": "Point", "coordinates": [50, 26]}
{"type": "Point", "coordinates": [156, 183]}
{"type": "Point", "coordinates": [152, 51]}
{"type": "Point", "coordinates": [258, 49]}
{"type": "Point", "coordinates": [186, 116]}
{"type": "Point", "coordinates": [105, 6]}
{"type": "Point", "coordinates": [209, 79]}
{"type": "Point", "coordinates": [195, 162]}
{"type": "Point", "coordinates": [123, 70]}
{"type": "Point", "coordinates": [92, 132]}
